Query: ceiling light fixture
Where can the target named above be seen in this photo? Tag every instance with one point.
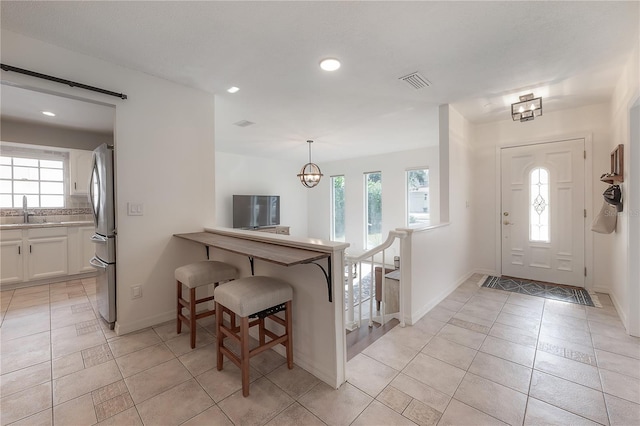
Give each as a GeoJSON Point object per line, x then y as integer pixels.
{"type": "Point", "coordinates": [310, 174]}
{"type": "Point", "coordinates": [527, 109]}
{"type": "Point", "coordinates": [330, 64]}
{"type": "Point", "coordinates": [233, 89]}
{"type": "Point", "coordinates": [48, 113]}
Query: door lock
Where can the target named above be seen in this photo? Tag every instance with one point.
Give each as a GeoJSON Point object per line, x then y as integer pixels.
{"type": "Point", "coordinates": [505, 214]}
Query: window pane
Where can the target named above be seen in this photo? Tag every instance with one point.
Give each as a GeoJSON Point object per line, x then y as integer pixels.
{"type": "Point", "coordinates": [32, 162]}
{"type": "Point", "coordinates": [417, 197]}
{"type": "Point", "coordinates": [52, 188]}
{"type": "Point", "coordinates": [29, 173]}
{"type": "Point", "coordinates": [32, 201]}
{"type": "Point", "coordinates": [55, 164]}
{"type": "Point", "coordinates": [337, 207]}
{"type": "Point", "coordinates": [373, 209]}
{"type": "Point", "coordinates": [52, 201]}
{"type": "Point", "coordinates": [539, 205]}
{"type": "Point", "coordinates": [5, 200]}
{"type": "Point", "coordinates": [5, 186]}
{"type": "Point", "coordinates": [5, 160]}
{"type": "Point", "coordinates": [5, 172]}
{"type": "Point", "coordinates": [25, 187]}
{"type": "Point", "coordinates": [52, 174]}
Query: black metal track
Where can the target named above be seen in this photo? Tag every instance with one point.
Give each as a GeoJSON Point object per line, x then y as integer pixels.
{"type": "Point", "coordinates": [70, 83]}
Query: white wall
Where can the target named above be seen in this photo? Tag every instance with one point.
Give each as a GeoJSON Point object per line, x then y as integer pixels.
{"type": "Point", "coordinates": [38, 134]}
{"type": "Point", "coordinates": [441, 258]}
{"type": "Point", "coordinates": [393, 167]}
{"type": "Point", "coordinates": [625, 294]}
{"type": "Point", "coordinates": [245, 175]}
{"type": "Point", "coordinates": [165, 159]}
{"type": "Point", "coordinates": [591, 122]}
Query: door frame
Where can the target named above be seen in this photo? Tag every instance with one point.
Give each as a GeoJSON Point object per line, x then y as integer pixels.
{"type": "Point", "coordinates": [588, 196]}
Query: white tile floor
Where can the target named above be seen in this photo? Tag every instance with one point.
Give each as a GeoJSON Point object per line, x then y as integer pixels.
{"type": "Point", "coordinates": [480, 357]}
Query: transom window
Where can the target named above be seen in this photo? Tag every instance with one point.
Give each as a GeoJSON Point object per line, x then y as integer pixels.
{"type": "Point", "coordinates": [539, 205]}
{"type": "Point", "coordinates": [40, 180]}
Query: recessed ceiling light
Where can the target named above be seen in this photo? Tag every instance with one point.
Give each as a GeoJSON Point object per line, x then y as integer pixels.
{"type": "Point", "coordinates": [330, 64]}
{"type": "Point", "coordinates": [233, 89]}
{"type": "Point", "coordinates": [48, 113]}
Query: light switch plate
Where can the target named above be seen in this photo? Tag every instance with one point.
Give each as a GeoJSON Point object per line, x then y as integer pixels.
{"type": "Point", "coordinates": [135, 209]}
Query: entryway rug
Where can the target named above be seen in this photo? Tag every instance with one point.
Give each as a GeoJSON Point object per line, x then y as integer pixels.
{"type": "Point", "coordinates": [563, 293]}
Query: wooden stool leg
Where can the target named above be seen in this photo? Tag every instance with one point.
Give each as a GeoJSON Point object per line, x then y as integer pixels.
{"type": "Point", "coordinates": [289, 330]}
{"type": "Point", "coordinates": [192, 314]}
{"type": "Point", "coordinates": [219, 336]}
{"type": "Point", "coordinates": [179, 323]}
{"type": "Point", "coordinates": [244, 354]}
{"type": "Point", "coordinates": [261, 331]}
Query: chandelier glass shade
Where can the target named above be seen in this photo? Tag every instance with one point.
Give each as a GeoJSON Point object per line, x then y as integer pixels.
{"type": "Point", "coordinates": [527, 109]}
{"type": "Point", "coordinates": [310, 173]}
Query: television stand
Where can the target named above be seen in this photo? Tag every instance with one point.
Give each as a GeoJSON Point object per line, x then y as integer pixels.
{"type": "Point", "coordinates": [282, 230]}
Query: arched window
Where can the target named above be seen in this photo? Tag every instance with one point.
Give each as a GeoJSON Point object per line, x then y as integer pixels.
{"type": "Point", "coordinates": [539, 205]}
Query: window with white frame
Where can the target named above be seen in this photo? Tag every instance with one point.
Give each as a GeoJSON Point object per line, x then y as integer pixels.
{"type": "Point", "coordinates": [373, 209]}
{"type": "Point", "coordinates": [539, 205]}
{"type": "Point", "coordinates": [417, 196]}
{"type": "Point", "coordinates": [337, 208]}
{"type": "Point", "coordinates": [39, 177]}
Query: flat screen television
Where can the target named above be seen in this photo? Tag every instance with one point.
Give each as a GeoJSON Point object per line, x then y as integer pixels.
{"type": "Point", "coordinates": [255, 211]}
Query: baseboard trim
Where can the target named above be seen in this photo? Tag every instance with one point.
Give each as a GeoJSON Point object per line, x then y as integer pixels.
{"type": "Point", "coordinates": [621, 313]}
{"type": "Point", "coordinates": [43, 281]}
{"type": "Point", "coordinates": [439, 298]}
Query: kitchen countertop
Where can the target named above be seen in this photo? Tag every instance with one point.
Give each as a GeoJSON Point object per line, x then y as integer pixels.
{"type": "Point", "coordinates": [70, 223]}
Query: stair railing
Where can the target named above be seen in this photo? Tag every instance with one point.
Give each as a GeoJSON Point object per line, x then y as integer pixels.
{"type": "Point", "coordinates": [351, 261]}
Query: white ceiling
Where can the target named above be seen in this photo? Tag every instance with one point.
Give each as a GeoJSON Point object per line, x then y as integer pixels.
{"type": "Point", "coordinates": [27, 105]}
{"type": "Point", "coordinates": [478, 56]}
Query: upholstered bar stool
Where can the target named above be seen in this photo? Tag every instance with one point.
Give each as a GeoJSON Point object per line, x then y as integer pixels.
{"type": "Point", "coordinates": [253, 297]}
{"type": "Point", "coordinates": [196, 275]}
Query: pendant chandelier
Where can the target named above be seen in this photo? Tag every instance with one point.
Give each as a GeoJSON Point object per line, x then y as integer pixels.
{"type": "Point", "coordinates": [527, 109]}
{"type": "Point", "coordinates": [310, 174]}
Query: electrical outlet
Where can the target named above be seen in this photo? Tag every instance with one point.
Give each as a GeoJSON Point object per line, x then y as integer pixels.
{"type": "Point", "coordinates": [136, 292]}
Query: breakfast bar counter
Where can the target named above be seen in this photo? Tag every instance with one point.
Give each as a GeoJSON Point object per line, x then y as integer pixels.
{"type": "Point", "coordinates": [310, 266]}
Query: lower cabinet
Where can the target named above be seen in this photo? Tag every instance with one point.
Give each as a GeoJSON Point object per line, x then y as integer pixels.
{"type": "Point", "coordinates": [47, 256]}
{"type": "Point", "coordinates": [11, 257]}
{"type": "Point", "coordinates": [39, 253]}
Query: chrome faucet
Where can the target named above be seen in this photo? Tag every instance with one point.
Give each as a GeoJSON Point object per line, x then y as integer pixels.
{"type": "Point", "coordinates": [25, 211]}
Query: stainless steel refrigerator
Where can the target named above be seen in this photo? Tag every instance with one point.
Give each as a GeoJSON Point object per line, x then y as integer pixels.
{"type": "Point", "coordinates": [101, 195]}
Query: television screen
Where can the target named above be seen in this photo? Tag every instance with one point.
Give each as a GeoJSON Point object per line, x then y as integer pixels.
{"type": "Point", "coordinates": [255, 211]}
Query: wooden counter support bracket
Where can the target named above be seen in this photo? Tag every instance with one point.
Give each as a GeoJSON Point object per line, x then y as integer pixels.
{"type": "Point", "coordinates": [327, 275]}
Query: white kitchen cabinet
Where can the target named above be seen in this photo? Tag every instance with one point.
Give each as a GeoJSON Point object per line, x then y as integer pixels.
{"type": "Point", "coordinates": [79, 171]}
{"type": "Point", "coordinates": [47, 253]}
{"type": "Point", "coordinates": [11, 257]}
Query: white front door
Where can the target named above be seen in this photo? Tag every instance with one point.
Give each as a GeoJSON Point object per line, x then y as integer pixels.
{"type": "Point", "coordinates": [542, 213]}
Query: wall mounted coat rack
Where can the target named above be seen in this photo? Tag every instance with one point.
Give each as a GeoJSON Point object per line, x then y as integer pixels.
{"type": "Point", "coordinates": [617, 167]}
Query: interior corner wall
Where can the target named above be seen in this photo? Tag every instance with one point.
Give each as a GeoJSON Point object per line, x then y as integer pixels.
{"type": "Point", "coordinates": [593, 120]}
{"type": "Point", "coordinates": [441, 258]}
{"type": "Point", "coordinates": [393, 167]}
{"type": "Point", "coordinates": [625, 95]}
{"type": "Point", "coordinates": [246, 175]}
{"type": "Point", "coordinates": [164, 159]}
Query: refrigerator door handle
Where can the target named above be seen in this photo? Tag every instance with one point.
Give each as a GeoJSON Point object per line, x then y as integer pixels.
{"type": "Point", "coordinates": [98, 238]}
{"type": "Point", "coordinates": [97, 263]}
{"type": "Point", "coordinates": [94, 180]}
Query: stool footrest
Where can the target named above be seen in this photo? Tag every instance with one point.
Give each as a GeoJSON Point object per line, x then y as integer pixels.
{"type": "Point", "coordinates": [268, 312]}
{"type": "Point", "coordinates": [268, 345]}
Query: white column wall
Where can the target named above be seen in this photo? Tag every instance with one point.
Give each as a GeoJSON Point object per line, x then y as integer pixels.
{"type": "Point", "coordinates": [441, 258]}
{"type": "Point", "coordinates": [165, 159]}
{"type": "Point", "coordinates": [246, 175]}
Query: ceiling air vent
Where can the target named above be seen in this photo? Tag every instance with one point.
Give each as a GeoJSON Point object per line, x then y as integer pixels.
{"type": "Point", "coordinates": [244, 123]}
{"type": "Point", "coordinates": [416, 80]}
